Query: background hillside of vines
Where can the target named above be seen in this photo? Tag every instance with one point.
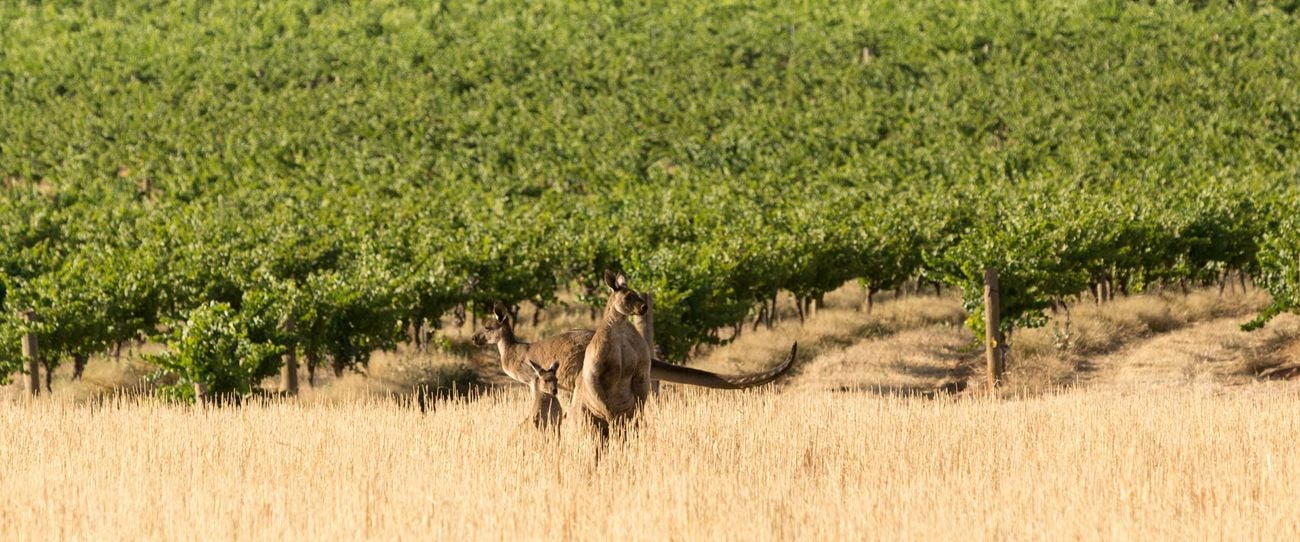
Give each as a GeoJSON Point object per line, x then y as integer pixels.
{"type": "Point", "coordinates": [359, 167]}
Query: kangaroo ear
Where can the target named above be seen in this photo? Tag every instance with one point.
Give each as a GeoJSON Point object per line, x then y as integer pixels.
{"type": "Point", "coordinates": [554, 366]}
{"type": "Point", "coordinates": [500, 311]}
{"type": "Point", "coordinates": [621, 281]}
{"type": "Point", "coordinates": [612, 280]}
{"type": "Point", "coordinates": [536, 368]}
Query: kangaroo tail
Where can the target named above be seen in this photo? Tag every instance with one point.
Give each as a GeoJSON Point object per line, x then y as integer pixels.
{"type": "Point", "coordinates": [677, 374]}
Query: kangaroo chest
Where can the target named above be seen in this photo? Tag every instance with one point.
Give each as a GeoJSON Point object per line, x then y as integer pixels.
{"type": "Point", "coordinates": [626, 352]}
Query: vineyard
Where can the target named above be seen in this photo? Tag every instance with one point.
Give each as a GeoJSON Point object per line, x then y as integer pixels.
{"type": "Point", "coordinates": [333, 179]}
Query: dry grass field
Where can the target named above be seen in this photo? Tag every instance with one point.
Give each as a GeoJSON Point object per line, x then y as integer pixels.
{"type": "Point", "coordinates": [1145, 418]}
{"type": "Point", "coordinates": [765, 465]}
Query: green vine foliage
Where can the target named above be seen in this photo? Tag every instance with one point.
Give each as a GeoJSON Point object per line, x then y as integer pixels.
{"type": "Point", "coordinates": [360, 168]}
{"type": "Point", "coordinates": [218, 350]}
{"type": "Point", "coordinates": [1279, 260]}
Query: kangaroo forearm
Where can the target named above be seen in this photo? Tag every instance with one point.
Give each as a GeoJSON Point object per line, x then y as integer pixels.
{"type": "Point", "coordinates": [641, 387]}
{"type": "Point", "coordinates": [594, 397]}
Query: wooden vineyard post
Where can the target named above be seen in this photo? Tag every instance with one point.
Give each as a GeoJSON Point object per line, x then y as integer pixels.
{"type": "Point", "coordinates": [993, 342]}
{"type": "Point", "coordinates": [31, 353]}
{"type": "Point", "coordinates": [646, 325]}
{"type": "Point", "coordinates": [289, 371]}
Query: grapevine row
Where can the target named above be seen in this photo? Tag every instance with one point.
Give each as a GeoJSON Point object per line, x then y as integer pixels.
{"type": "Point", "coordinates": [207, 171]}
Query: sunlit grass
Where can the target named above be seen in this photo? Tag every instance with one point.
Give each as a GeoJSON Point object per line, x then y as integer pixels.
{"type": "Point", "coordinates": [1184, 464]}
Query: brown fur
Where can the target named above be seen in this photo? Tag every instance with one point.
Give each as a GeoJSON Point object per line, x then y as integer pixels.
{"type": "Point", "coordinates": [569, 347]}
{"type": "Point", "coordinates": [615, 378]}
{"type": "Point", "coordinates": [678, 374]}
{"type": "Point", "coordinates": [547, 411]}
{"type": "Point", "coordinates": [566, 348]}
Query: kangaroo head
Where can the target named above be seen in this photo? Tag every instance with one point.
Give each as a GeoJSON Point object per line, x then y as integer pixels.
{"type": "Point", "coordinates": [547, 382]}
{"type": "Point", "coordinates": [494, 329]}
{"type": "Point", "coordinates": [623, 299]}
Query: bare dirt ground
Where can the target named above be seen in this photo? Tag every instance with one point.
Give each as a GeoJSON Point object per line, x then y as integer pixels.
{"type": "Point", "coordinates": [918, 345]}
{"type": "Point", "coordinates": [1209, 353]}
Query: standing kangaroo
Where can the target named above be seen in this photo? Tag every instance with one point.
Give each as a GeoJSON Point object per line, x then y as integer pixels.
{"type": "Point", "coordinates": [567, 347]}
{"type": "Point", "coordinates": [570, 347]}
{"type": "Point", "coordinates": [615, 379]}
{"type": "Point", "coordinates": [547, 412]}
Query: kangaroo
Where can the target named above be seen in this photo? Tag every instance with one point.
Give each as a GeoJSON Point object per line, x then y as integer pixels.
{"type": "Point", "coordinates": [569, 347]}
{"type": "Point", "coordinates": [615, 379]}
{"type": "Point", "coordinates": [547, 413]}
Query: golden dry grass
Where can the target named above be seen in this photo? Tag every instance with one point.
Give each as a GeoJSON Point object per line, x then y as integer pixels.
{"type": "Point", "coordinates": [1147, 423]}
{"type": "Point", "coordinates": [1152, 339]}
{"type": "Point", "coordinates": [764, 465]}
{"type": "Point", "coordinates": [390, 374]}
{"type": "Point", "coordinates": [904, 345]}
